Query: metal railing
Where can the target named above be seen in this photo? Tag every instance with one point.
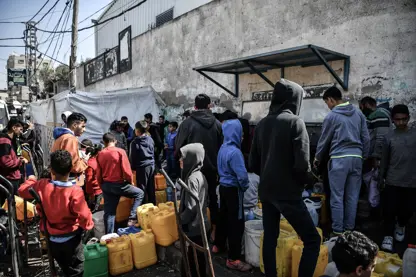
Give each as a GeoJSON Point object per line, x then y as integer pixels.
{"type": "Point", "coordinates": [184, 239]}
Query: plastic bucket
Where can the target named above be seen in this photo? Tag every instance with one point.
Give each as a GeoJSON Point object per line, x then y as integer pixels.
{"type": "Point", "coordinates": [252, 234]}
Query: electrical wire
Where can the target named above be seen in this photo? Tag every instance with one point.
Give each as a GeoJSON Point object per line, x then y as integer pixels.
{"type": "Point", "coordinates": [55, 28]}
{"type": "Point", "coordinates": [99, 29]}
{"type": "Point", "coordinates": [99, 23]}
{"type": "Point", "coordinates": [11, 38]}
{"type": "Point", "coordinates": [47, 24]}
{"type": "Point", "coordinates": [96, 12]}
{"type": "Point", "coordinates": [12, 46]}
{"type": "Point", "coordinates": [54, 5]}
{"type": "Point", "coordinates": [64, 25]}
{"type": "Point", "coordinates": [47, 1]}
{"type": "Point", "coordinates": [23, 16]}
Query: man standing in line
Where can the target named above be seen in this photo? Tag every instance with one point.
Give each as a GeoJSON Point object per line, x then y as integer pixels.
{"type": "Point", "coordinates": [202, 127]}
{"type": "Point", "coordinates": [379, 125]}
{"type": "Point", "coordinates": [10, 163]}
{"type": "Point", "coordinates": [66, 139]}
{"type": "Point", "coordinates": [153, 130]}
{"type": "Point", "coordinates": [345, 136]}
{"type": "Point", "coordinates": [128, 130]}
{"type": "Point", "coordinates": [280, 156]}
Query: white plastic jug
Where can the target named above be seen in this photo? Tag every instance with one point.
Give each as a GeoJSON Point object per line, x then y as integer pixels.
{"type": "Point", "coordinates": [106, 238]}
{"type": "Point", "coordinates": [330, 244]}
{"type": "Point", "coordinates": [409, 261]}
{"type": "Point", "coordinates": [312, 211]}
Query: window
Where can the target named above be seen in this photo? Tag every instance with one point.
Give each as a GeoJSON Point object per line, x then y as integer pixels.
{"type": "Point", "coordinates": [164, 17]}
{"type": "Point", "coordinates": [20, 61]}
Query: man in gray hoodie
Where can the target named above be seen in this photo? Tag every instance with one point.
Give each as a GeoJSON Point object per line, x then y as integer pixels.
{"type": "Point", "coordinates": [345, 137]}
{"type": "Point", "coordinates": [191, 161]}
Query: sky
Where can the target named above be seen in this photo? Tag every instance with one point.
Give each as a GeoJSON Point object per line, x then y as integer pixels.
{"type": "Point", "coordinates": [23, 10]}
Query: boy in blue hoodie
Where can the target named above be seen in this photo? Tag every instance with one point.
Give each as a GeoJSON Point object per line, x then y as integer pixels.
{"type": "Point", "coordinates": [345, 137]}
{"type": "Point", "coordinates": [142, 160]}
{"type": "Point", "coordinates": [170, 149]}
{"type": "Point", "coordinates": [233, 183]}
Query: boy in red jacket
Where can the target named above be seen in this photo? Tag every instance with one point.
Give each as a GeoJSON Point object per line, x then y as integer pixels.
{"type": "Point", "coordinates": [115, 177]}
{"type": "Point", "coordinates": [67, 213]}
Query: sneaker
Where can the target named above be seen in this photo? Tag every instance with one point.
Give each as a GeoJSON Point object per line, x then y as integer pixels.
{"type": "Point", "coordinates": [132, 223]}
{"type": "Point", "coordinates": [238, 265]}
{"type": "Point", "coordinates": [387, 244]}
{"type": "Point", "coordinates": [399, 233]}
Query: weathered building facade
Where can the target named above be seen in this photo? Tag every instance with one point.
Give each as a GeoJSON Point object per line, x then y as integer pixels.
{"type": "Point", "coordinates": [379, 36]}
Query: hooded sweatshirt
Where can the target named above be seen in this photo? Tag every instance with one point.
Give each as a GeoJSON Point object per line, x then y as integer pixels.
{"type": "Point", "coordinates": [231, 168]}
{"type": "Point", "coordinates": [344, 134]}
{"type": "Point", "coordinates": [280, 150]}
{"type": "Point", "coordinates": [142, 152]}
{"type": "Point", "coordinates": [66, 140]}
{"type": "Point", "coordinates": [9, 162]}
{"type": "Point", "coordinates": [379, 125]}
{"type": "Point", "coordinates": [193, 157]}
{"type": "Point", "coordinates": [202, 127]}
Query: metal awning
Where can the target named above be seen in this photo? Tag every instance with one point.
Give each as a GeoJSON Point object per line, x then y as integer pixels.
{"type": "Point", "coordinates": [307, 55]}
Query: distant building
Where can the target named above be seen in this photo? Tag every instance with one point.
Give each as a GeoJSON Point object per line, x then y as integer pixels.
{"type": "Point", "coordinates": [16, 61]}
{"type": "Point", "coordinates": [3, 94]}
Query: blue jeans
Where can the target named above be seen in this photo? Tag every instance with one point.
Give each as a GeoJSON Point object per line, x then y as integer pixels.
{"type": "Point", "coordinates": [345, 177]}
{"type": "Point", "coordinates": [171, 164]}
{"type": "Point", "coordinates": [112, 193]}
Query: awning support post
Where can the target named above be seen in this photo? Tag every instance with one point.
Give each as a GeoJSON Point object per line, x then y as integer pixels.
{"type": "Point", "coordinates": [329, 68]}
{"type": "Point", "coordinates": [217, 83]}
{"type": "Point", "coordinates": [259, 73]}
{"type": "Point", "coordinates": [237, 84]}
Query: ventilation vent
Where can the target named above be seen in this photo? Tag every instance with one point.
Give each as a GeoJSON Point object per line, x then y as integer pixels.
{"type": "Point", "coordinates": [164, 17]}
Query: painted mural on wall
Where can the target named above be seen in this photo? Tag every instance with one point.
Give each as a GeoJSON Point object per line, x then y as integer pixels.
{"type": "Point", "coordinates": [124, 44]}
{"type": "Point", "coordinates": [111, 62]}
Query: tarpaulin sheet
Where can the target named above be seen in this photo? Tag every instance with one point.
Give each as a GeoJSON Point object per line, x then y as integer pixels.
{"type": "Point", "coordinates": [100, 108]}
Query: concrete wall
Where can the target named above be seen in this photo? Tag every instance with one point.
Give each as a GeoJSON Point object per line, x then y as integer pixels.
{"type": "Point", "coordinates": [379, 35]}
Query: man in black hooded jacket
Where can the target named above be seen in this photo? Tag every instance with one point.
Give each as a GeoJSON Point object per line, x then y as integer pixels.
{"type": "Point", "coordinates": [202, 127]}
{"type": "Point", "coordinates": [280, 156]}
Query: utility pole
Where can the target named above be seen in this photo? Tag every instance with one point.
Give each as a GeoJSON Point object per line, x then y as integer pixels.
{"type": "Point", "coordinates": [31, 59]}
{"type": "Point", "coordinates": [74, 39]}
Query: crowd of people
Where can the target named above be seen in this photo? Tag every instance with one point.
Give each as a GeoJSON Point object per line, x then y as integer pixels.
{"type": "Point", "coordinates": [208, 150]}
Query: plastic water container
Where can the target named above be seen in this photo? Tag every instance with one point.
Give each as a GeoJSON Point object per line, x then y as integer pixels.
{"type": "Point", "coordinates": [160, 196]}
{"type": "Point", "coordinates": [108, 237]}
{"type": "Point", "coordinates": [123, 209]}
{"type": "Point", "coordinates": [145, 215]}
{"type": "Point", "coordinates": [252, 234]}
{"type": "Point", "coordinates": [128, 230]}
{"type": "Point", "coordinates": [312, 208]}
{"type": "Point", "coordinates": [120, 258]}
{"type": "Point", "coordinates": [166, 206]}
{"type": "Point", "coordinates": [283, 253]}
{"type": "Point", "coordinates": [323, 214]}
{"type": "Point", "coordinates": [391, 267]}
{"type": "Point", "coordinates": [382, 258]}
{"type": "Point", "coordinates": [20, 208]}
{"type": "Point", "coordinates": [96, 260]}
{"type": "Point", "coordinates": [286, 227]}
{"type": "Point", "coordinates": [409, 261]}
{"type": "Point", "coordinates": [144, 249]}
{"type": "Point", "coordinates": [320, 266]}
{"type": "Point", "coordinates": [330, 244]}
{"type": "Point", "coordinates": [99, 228]}
{"type": "Point", "coordinates": [160, 182]}
{"type": "Point", "coordinates": [169, 194]}
{"type": "Point", "coordinates": [164, 227]}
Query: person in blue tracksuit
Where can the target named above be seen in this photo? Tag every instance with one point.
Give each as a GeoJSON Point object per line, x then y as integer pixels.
{"type": "Point", "coordinates": [346, 138]}
{"type": "Point", "coordinates": [233, 183]}
{"type": "Point", "coordinates": [170, 149]}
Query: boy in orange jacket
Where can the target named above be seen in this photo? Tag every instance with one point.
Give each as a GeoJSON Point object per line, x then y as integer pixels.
{"type": "Point", "coordinates": [66, 210]}
{"type": "Point", "coordinates": [66, 139]}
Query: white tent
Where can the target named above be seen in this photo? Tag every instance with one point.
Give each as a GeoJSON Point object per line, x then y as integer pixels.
{"type": "Point", "coordinates": [100, 108]}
